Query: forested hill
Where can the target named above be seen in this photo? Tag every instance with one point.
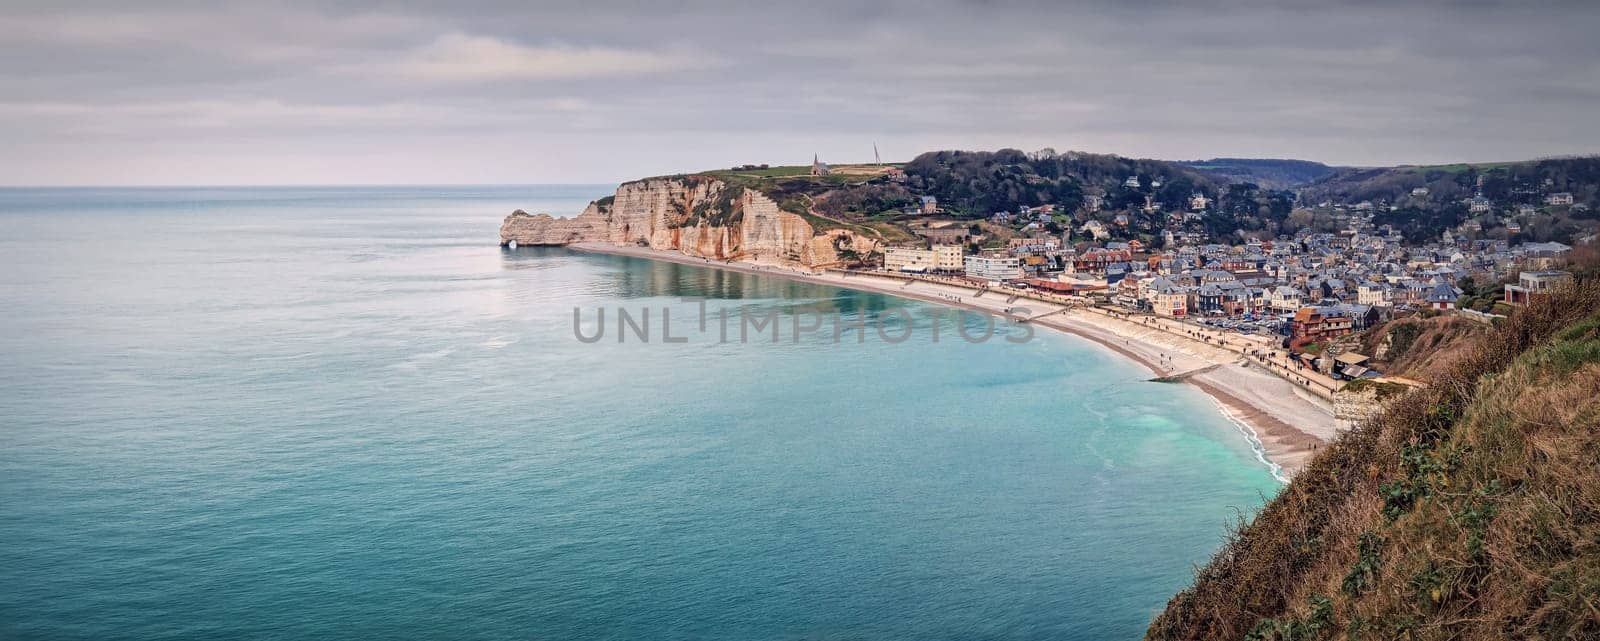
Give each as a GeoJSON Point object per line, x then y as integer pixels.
{"type": "Point", "coordinates": [1507, 182]}
{"type": "Point", "coordinates": [1271, 173]}
{"type": "Point", "coordinates": [982, 182]}
{"type": "Point", "coordinates": [1552, 199]}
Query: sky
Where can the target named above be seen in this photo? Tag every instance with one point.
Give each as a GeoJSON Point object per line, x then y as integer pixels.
{"type": "Point", "coordinates": [177, 93]}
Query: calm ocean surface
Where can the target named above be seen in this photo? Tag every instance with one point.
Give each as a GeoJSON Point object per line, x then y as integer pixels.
{"type": "Point", "coordinates": [297, 413]}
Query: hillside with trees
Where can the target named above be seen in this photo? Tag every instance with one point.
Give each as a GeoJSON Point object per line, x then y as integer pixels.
{"type": "Point", "coordinates": [1425, 201]}
{"type": "Point", "coordinates": [1272, 173]}
{"type": "Point", "coordinates": [978, 183]}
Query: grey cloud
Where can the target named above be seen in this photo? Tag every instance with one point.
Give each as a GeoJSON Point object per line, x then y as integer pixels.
{"type": "Point", "coordinates": [490, 92]}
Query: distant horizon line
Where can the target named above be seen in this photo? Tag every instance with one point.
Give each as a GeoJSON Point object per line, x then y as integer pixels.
{"type": "Point", "coordinates": [1570, 156]}
{"type": "Point", "coordinates": [299, 185]}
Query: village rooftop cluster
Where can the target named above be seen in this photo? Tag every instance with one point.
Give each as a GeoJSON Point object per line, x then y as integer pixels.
{"type": "Point", "coordinates": [1306, 288]}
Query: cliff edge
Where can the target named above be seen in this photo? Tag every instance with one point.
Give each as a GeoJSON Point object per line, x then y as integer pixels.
{"type": "Point", "coordinates": [1467, 510]}
{"type": "Point", "coordinates": [699, 216]}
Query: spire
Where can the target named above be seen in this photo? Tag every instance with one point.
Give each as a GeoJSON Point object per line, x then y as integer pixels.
{"type": "Point", "coordinates": [817, 167]}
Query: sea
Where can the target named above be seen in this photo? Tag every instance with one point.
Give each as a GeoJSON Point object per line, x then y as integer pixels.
{"type": "Point", "coordinates": [347, 413]}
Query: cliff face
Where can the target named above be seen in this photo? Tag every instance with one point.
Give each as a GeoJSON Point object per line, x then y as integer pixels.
{"type": "Point", "coordinates": [701, 217]}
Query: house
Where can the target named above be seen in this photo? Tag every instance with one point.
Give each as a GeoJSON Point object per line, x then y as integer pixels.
{"type": "Point", "coordinates": [1361, 316]}
{"type": "Point", "coordinates": [1093, 203]}
{"type": "Point", "coordinates": [1479, 205]}
{"type": "Point", "coordinates": [1419, 191]}
{"type": "Point", "coordinates": [1531, 285]}
{"type": "Point", "coordinates": [1316, 323]}
{"type": "Point", "coordinates": [1126, 292]}
{"type": "Point", "coordinates": [1242, 300]}
{"type": "Point", "coordinates": [1545, 250]}
{"type": "Point", "coordinates": [1033, 245]}
{"type": "Point", "coordinates": [994, 268]}
{"type": "Point", "coordinates": [930, 205]}
{"type": "Point", "coordinates": [1544, 255]}
{"type": "Point", "coordinates": [1374, 294]}
{"type": "Point", "coordinates": [1558, 199]}
{"type": "Point", "coordinates": [1170, 300]}
{"type": "Point", "coordinates": [1410, 291]}
{"type": "Point", "coordinates": [1350, 365]}
{"type": "Point", "coordinates": [1209, 299]}
{"type": "Point", "coordinates": [1283, 298]}
{"type": "Point", "coordinates": [1443, 296]}
{"type": "Point", "coordinates": [1096, 230]}
{"type": "Point", "coordinates": [1095, 261]}
{"type": "Point", "coordinates": [1199, 202]}
{"type": "Point", "coordinates": [1131, 183]}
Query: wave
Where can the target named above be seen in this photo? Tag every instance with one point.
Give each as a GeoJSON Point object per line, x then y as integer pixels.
{"type": "Point", "coordinates": [1250, 436]}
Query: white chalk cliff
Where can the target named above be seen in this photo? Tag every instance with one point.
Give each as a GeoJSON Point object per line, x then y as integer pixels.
{"type": "Point", "coordinates": [696, 215]}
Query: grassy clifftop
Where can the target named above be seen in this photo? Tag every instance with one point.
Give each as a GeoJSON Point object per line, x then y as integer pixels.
{"type": "Point", "coordinates": [1469, 510]}
{"type": "Point", "coordinates": [1421, 347]}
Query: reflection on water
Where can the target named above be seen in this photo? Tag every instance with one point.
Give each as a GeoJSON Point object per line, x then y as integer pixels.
{"type": "Point", "coordinates": [631, 277]}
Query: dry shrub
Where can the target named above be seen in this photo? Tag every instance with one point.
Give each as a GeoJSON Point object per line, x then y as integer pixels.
{"type": "Point", "coordinates": [1468, 510]}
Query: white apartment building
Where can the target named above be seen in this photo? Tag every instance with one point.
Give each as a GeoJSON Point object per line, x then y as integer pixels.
{"type": "Point", "coordinates": [948, 258]}
{"type": "Point", "coordinates": [942, 258]}
{"type": "Point", "coordinates": [994, 268]}
{"type": "Point", "coordinates": [903, 259]}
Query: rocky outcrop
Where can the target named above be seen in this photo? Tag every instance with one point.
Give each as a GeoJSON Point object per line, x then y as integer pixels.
{"type": "Point", "coordinates": [696, 215]}
{"type": "Point", "coordinates": [544, 229]}
{"type": "Point", "coordinates": [1352, 408]}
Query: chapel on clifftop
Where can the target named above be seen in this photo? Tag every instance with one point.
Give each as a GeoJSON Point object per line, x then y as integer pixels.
{"type": "Point", "coordinates": [818, 168]}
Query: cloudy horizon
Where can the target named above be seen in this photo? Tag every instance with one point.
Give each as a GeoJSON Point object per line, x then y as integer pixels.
{"type": "Point", "coordinates": [176, 93]}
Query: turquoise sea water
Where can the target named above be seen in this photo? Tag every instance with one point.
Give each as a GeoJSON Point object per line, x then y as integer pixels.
{"type": "Point", "coordinates": [301, 413]}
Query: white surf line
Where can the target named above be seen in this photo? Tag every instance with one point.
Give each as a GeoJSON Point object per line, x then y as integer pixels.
{"type": "Point", "coordinates": [1250, 435]}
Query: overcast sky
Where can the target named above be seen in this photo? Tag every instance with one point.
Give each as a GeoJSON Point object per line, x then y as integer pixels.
{"type": "Point", "coordinates": [515, 92]}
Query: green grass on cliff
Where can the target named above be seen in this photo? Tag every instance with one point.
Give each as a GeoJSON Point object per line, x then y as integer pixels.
{"type": "Point", "coordinates": [1469, 510]}
{"type": "Point", "coordinates": [1382, 390]}
{"type": "Point", "coordinates": [770, 172]}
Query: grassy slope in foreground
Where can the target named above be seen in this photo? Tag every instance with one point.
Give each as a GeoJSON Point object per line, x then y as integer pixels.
{"type": "Point", "coordinates": [1469, 510]}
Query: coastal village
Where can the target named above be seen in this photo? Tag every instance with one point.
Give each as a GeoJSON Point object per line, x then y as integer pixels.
{"type": "Point", "coordinates": [1304, 291]}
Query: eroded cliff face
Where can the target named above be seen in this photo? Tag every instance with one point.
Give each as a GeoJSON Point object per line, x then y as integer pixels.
{"type": "Point", "coordinates": [701, 217]}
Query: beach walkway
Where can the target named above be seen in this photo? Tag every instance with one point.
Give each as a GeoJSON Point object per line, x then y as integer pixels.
{"type": "Point", "coordinates": [1256, 349]}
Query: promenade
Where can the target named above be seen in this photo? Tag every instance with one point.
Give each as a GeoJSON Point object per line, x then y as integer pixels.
{"type": "Point", "coordinates": [1260, 350]}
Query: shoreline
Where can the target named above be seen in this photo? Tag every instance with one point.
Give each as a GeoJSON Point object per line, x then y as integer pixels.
{"type": "Point", "coordinates": [1284, 424]}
